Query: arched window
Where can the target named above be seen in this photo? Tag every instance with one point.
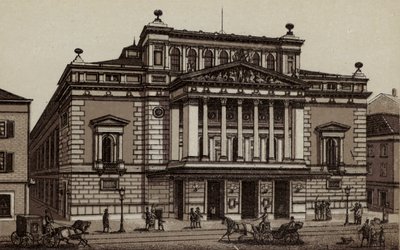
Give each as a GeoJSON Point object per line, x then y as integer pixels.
{"type": "Point", "coordinates": [332, 152]}
{"type": "Point", "coordinates": [175, 59]}
{"type": "Point", "coordinates": [192, 56]}
{"type": "Point", "coordinates": [223, 57]}
{"type": "Point", "coordinates": [235, 149]}
{"type": "Point", "coordinates": [208, 59]}
{"type": "Point", "coordinates": [107, 149]}
{"type": "Point", "coordinates": [270, 62]}
{"type": "Point", "coordinates": [255, 59]}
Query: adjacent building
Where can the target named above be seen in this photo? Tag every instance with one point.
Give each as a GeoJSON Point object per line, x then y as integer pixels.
{"type": "Point", "coordinates": [14, 133]}
{"type": "Point", "coordinates": [383, 142]}
{"type": "Point", "coordinates": [183, 119]}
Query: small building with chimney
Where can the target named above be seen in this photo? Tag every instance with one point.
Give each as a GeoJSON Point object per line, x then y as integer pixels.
{"type": "Point", "coordinates": [231, 124]}
{"type": "Point", "coordinates": [383, 158]}
{"type": "Point", "coordinates": [14, 134]}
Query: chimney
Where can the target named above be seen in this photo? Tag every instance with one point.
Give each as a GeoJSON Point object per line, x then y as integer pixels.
{"type": "Point", "coordinates": [394, 92]}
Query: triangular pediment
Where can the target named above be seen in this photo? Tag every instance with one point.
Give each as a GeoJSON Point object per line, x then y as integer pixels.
{"type": "Point", "coordinates": [108, 120]}
{"type": "Point", "coordinates": [332, 127]}
{"type": "Point", "coordinates": [241, 72]}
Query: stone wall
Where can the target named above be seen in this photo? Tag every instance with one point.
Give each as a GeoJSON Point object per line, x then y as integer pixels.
{"type": "Point", "coordinates": [87, 198]}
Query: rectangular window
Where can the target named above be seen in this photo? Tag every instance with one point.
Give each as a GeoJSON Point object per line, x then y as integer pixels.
{"type": "Point", "coordinates": [157, 57]}
{"type": "Point", "coordinates": [382, 198]}
{"type": "Point", "coordinates": [6, 129]}
{"type": "Point", "coordinates": [334, 184]}
{"type": "Point", "coordinates": [369, 196]}
{"type": "Point", "coordinates": [64, 119]}
{"type": "Point", "coordinates": [2, 128]}
{"type": "Point", "coordinates": [112, 77]}
{"type": "Point", "coordinates": [383, 172]}
{"type": "Point", "coordinates": [384, 150]}
{"type": "Point", "coordinates": [132, 53]}
{"type": "Point", "coordinates": [369, 168]}
{"type": "Point", "coordinates": [370, 152]}
{"type": "Point", "coordinates": [158, 78]}
{"type": "Point", "coordinates": [5, 205]}
{"type": "Point", "coordinates": [91, 77]}
{"type": "Point", "coordinates": [109, 184]}
{"type": "Point", "coordinates": [132, 78]}
{"type": "Point", "coordinates": [346, 86]}
{"type": "Point", "coordinates": [6, 162]}
{"type": "Point", "coordinates": [316, 86]}
{"type": "Point", "coordinates": [291, 65]}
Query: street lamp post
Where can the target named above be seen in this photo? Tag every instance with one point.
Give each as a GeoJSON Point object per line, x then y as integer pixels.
{"type": "Point", "coordinates": [347, 192]}
{"type": "Point", "coordinates": [121, 197]}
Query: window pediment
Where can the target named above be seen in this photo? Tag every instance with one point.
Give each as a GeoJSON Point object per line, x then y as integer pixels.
{"type": "Point", "coordinates": [332, 127]}
{"type": "Point", "coordinates": [108, 120]}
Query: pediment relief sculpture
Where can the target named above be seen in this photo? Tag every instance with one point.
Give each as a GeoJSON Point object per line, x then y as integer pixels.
{"type": "Point", "coordinates": [238, 74]}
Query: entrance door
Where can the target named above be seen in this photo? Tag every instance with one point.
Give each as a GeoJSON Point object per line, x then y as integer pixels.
{"type": "Point", "coordinates": [282, 199]}
{"type": "Point", "coordinates": [178, 191]}
{"type": "Point", "coordinates": [249, 204]}
{"type": "Point", "coordinates": [214, 208]}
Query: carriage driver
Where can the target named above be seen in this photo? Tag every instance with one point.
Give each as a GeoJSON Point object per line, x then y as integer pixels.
{"type": "Point", "coordinates": [264, 224]}
{"type": "Point", "coordinates": [48, 219]}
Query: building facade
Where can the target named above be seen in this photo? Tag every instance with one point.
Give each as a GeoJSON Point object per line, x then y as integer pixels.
{"type": "Point", "coordinates": [14, 135]}
{"type": "Point", "coordinates": [183, 119]}
{"type": "Point", "coordinates": [383, 145]}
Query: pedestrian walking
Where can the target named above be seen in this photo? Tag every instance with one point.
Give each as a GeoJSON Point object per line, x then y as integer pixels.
{"type": "Point", "coordinates": [198, 217]}
{"type": "Point", "coordinates": [192, 217]}
{"type": "Point", "coordinates": [106, 221]}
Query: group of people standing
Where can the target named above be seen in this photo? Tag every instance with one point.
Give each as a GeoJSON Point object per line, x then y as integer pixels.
{"type": "Point", "coordinates": [357, 212]}
{"type": "Point", "coordinates": [322, 210]}
{"type": "Point", "coordinates": [195, 218]}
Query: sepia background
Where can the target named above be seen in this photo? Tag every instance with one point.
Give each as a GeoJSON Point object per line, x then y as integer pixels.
{"type": "Point", "coordinates": [38, 38]}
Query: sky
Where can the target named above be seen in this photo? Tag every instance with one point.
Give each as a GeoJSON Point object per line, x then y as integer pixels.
{"type": "Point", "coordinates": [38, 38]}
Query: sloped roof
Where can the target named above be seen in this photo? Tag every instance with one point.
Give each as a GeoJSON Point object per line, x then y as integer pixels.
{"type": "Point", "coordinates": [124, 60]}
{"type": "Point", "coordinates": [383, 124]}
{"type": "Point", "coordinates": [8, 96]}
{"type": "Point", "coordinates": [395, 99]}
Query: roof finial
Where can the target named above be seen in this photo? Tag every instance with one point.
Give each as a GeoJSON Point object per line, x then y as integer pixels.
{"type": "Point", "coordinates": [358, 73]}
{"type": "Point", "coordinates": [78, 59]}
{"type": "Point", "coordinates": [289, 26]}
{"type": "Point", "coordinates": [158, 13]}
{"type": "Point", "coordinates": [134, 41]}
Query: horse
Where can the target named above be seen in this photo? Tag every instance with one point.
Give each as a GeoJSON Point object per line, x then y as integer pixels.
{"type": "Point", "coordinates": [74, 232]}
{"type": "Point", "coordinates": [234, 227]}
{"type": "Point", "coordinates": [231, 227]}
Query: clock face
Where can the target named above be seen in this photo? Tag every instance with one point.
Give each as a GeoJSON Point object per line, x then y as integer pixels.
{"type": "Point", "coordinates": [158, 112]}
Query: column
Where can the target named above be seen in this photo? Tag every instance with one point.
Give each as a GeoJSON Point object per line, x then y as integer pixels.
{"type": "Point", "coordinates": [263, 150]}
{"type": "Point", "coordinates": [205, 156]}
{"type": "Point", "coordinates": [212, 149]}
{"type": "Point", "coordinates": [151, 54]}
{"type": "Point", "coordinates": [174, 132]}
{"type": "Point", "coordinates": [286, 132]}
{"type": "Point", "coordinates": [341, 150]}
{"type": "Point", "coordinates": [230, 149]}
{"type": "Point", "coordinates": [201, 62]}
{"type": "Point", "coordinates": [323, 156]}
{"type": "Point", "coordinates": [100, 147]}
{"type": "Point", "coordinates": [223, 129]}
{"type": "Point", "coordinates": [298, 133]}
{"type": "Point", "coordinates": [190, 130]}
{"type": "Point", "coordinates": [271, 154]}
{"type": "Point", "coordinates": [246, 149]}
{"type": "Point", "coordinates": [256, 148]}
{"type": "Point", "coordinates": [240, 130]}
{"type": "Point", "coordinates": [166, 57]}
{"type": "Point", "coordinates": [120, 147]}
{"type": "Point", "coordinates": [183, 65]}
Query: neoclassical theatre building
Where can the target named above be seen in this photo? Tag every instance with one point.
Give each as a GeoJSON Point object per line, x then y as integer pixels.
{"type": "Point", "coordinates": [183, 119]}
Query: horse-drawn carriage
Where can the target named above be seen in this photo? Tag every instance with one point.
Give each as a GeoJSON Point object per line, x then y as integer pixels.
{"type": "Point", "coordinates": [30, 231]}
{"type": "Point", "coordinates": [286, 234]}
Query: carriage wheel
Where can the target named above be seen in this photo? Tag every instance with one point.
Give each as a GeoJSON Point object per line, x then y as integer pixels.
{"type": "Point", "coordinates": [267, 238]}
{"type": "Point", "coordinates": [49, 241]}
{"type": "Point", "coordinates": [27, 240]}
{"type": "Point", "coordinates": [15, 239]}
{"type": "Point", "coordinates": [291, 238]}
